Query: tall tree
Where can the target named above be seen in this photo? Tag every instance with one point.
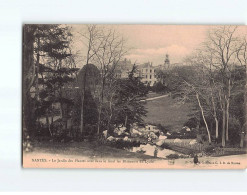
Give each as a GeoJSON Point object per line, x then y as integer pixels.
{"type": "Point", "coordinates": [48, 56]}
{"type": "Point", "coordinates": [105, 48]}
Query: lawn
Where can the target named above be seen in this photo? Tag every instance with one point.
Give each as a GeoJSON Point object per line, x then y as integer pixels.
{"type": "Point", "coordinates": [167, 112]}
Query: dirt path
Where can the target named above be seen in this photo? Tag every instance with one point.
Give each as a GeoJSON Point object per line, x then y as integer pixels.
{"type": "Point", "coordinates": [155, 98]}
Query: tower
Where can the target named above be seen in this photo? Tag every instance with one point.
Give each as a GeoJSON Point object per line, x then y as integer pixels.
{"type": "Point", "coordinates": [167, 62]}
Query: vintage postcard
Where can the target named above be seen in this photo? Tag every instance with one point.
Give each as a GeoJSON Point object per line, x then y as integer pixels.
{"type": "Point", "coordinates": [134, 96]}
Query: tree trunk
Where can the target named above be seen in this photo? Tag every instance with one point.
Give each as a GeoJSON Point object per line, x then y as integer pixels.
{"type": "Point", "coordinates": [28, 77]}
{"type": "Point", "coordinates": [100, 107]}
{"type": "Point", "coordinates": [227, 109]}
{"type": "Point", "coordinates": [227, 120]}
{"type": "Point", "coordinates": [244, 131]}
{"type": "Point", "coordinates": [215, 117]}
{"type": "Point", "coordinates": [216, 128]}
{"type": "Point", "coordinates": [223, 142]}
{"type": "Point", "coordinates": [82, 115]}
{"type": "Point", "coordinates": [99, 119]}
{"type": "Point", "coordinates": [109, 121]}
{"type": "Point", "coordinates": [126, 120]}
{"type": "Point", "coordinates": [48, 123]}
{"type": "Point", "coordinates": [205, 122]}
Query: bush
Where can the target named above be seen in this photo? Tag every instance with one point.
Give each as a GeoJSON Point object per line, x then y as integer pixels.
{"type": "Point", "coordinates": [191, 123]}
{"type": "Point", "coordinates": [234, 131]}
{"type": "Point", "coordinates": [209, 150]}
{"type": "Point", "coordinates": [121, 144]}
{"type": "Point", "coordinates": [172, 156]}
{"type": "Point", "coordinates": [162, 128]}
{"type": "Point", "coordinates": [159, 88]}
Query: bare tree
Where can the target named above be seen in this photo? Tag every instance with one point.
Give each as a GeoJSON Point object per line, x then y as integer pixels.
{"type": "Point", "coordinates": [223, 45]}
{"type": "Point", "coordinates": [242, 58]}
{"type": "Point", "coordinates": [105, 48]}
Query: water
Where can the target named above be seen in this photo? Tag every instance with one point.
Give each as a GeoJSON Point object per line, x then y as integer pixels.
{"type": "Point", "coordinates": [149, 149]}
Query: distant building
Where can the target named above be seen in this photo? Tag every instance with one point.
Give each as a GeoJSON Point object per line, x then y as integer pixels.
{"type": "Point", "coordinates": [147, 73]}
{"type": "Point", "coordinates": [167, 63]}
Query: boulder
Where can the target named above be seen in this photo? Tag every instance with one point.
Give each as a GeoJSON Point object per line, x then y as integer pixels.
{"type": "Point", "coordinates": [105, 133]}
{"type": "Point", "coordinates": [134, 131]}
{"type": "Point", "coordinates": [120, 130]}
{"type": "Point", "coordinates": [160, 143]}
{"type": "Point", "coordinates": [193, 142]}
{"type": "Point", "coordinates": [153, 136]}
{"type": "Point", "coordinates": [110, 138]}
{"type": "Point", "coordinates": [162, 137]}
{"type": "Point", "coordinates": [187, 129]}
{"type": "Point", "coordinates": [126, 138]}
{"type": "Point", "coordinates": [177, 140]}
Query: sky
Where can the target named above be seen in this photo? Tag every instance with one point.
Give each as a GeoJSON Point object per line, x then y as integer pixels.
{"type": "Point", "coordinates": [151, 43]}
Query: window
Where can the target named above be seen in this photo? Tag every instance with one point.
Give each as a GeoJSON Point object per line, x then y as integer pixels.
{"type": "Point", "coordinates": [146, 70]}
{"type": "Point", "coordinates": [146, 76]}
{"type": "Point", "coordinates": [150, 70]}
{"type": "Point", "coordinates": [150, 76]}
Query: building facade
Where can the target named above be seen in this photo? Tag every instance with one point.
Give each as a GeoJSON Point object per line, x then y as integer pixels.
{"type": "Point", "coordinates": [147, 73]}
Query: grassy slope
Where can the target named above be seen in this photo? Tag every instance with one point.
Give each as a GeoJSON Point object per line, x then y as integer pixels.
{"type": "Point", "coordinates": [165, 111]}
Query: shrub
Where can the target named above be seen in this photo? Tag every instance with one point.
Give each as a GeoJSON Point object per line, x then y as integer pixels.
{"type": "Point", "coordinates": [191, 123]}
{"type": "Point", "coordinates": [234, 131]}
{"type": "Point", "coordinates": [121, 144]}
{"type": "Point", "coordinates": [162, 128]}
{"type": "Point", "coordinates": [172, 156]}
{"type": "Point", "coordinates": [209, 150]}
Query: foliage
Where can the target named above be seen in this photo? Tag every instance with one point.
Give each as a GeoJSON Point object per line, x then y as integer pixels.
{"type": "Point", "coordinates": [192, 122]}
{"type": "Point", "coordinates": [159, 88]}
{"type": "Point", "coordinates": [128, 108]}
{"type": "Point", "coordinates": [172, 156]}
{"type": "Point", "coordinates": [49, 67]}
{"type": "Point", "coordinates": [122, 144]}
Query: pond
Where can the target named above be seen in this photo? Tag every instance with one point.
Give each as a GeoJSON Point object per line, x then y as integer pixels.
{"type": "Point", "coordinates": [150, 150]}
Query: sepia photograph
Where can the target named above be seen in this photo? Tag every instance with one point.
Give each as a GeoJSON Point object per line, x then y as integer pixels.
{"type": "Point", "coordinates": [134, 96]}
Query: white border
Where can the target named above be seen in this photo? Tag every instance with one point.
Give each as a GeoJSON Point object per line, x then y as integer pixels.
{"type": "Point", "coordinates": [14, 13]}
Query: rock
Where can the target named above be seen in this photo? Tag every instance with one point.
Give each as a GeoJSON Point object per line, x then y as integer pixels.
{"type": "Point", "coordinates": [192, 142]}
{"type": "Point", "coordinates": [134, 131]}
{"type": "Point", "coordinates": [105, 133]}
{"type": "Point", "coordinates": [120, 130]}
{"type": "Point", "coordinates": [162, 137]}
{"type": "Point", "coordinates": [160, 143]}
{"type": "Point", "coordinates": [110, 138]}
{"type": "Point", "coordinates": [177, 140]}
{"type": "Point", "coordinates": [126, 138]}
{"type": "Point", "coordinates": [187, 129]}
{"type": "Point", "coordinates": [168, 133]}
{"type": "Point", "coordinates": [153, 136]}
